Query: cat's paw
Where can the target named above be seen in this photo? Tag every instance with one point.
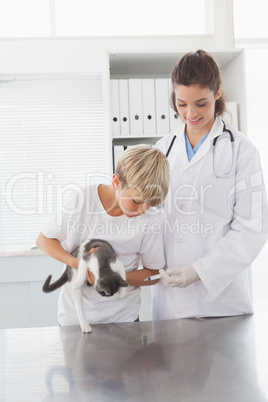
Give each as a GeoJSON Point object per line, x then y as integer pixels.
{"type": "Point", "coordinates": [86, 329]}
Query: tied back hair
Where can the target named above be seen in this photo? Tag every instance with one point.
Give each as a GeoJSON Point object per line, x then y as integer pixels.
{"type": "Point", "coordinates": [198, 68]}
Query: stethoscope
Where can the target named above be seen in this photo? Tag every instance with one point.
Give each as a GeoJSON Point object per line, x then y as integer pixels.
{"type": "Point", "coordinates": [215, 140]}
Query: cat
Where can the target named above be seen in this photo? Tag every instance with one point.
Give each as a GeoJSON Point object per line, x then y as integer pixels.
{"type": "Point", "coordinates": [99, 257]}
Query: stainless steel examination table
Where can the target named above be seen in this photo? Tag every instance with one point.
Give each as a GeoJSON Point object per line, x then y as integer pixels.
{"type": "Point", "coordinates": [211, 359]}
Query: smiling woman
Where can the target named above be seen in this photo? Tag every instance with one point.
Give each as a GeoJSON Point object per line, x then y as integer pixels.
{"type": "Point", "coordinates": [196, 107]}
{"type": "Point", "coordinates": [197, 94]}
{"type": "Point", "coordinates": [210, 273]}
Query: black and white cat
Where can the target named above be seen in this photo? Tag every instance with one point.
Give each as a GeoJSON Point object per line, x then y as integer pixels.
{"type": "Point", "coordinates": [99, 257]}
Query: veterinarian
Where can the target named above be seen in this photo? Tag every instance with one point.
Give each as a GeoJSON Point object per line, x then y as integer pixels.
{"type": "Point", "coordinates": [119, 213]}
{"type": "Point", "coordinates": [216, 210]}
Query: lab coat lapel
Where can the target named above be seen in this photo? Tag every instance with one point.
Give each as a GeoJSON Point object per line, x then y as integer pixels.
{"type": "Point", "coordinates": [179, 153]}
{"type": "Point", "coordinates": [215, 131]}
{"type": "Point", "coordinates": [178, 158]}
{"type": "Point", "coordinates": [200, 153]}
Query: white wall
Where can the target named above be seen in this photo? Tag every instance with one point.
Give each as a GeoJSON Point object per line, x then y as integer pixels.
{"type": "Point", "coordinates": [80, 55]}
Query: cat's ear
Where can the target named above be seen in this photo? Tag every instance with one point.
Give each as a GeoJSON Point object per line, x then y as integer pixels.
{"type": "Point", "coordinates": [122, 283]}
{"type": "Point", "coordinates": [90, 277]}
{"type": "Point", "coordinates": [93, 250]}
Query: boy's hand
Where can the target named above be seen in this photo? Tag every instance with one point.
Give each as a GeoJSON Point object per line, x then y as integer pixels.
{"type": "Point", "coordinates": [75, 263]}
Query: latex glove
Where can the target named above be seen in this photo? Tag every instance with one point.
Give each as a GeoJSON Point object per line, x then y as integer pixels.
{"type": "Point", "coordinates": [179, 277]}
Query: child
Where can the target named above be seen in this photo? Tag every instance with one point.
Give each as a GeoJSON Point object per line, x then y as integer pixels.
{"type": "Point", "coordinates": [118, 213]}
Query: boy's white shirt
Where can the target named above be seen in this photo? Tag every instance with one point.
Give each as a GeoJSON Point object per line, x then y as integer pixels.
{"type": "Point", "coordinates": [132, 239]}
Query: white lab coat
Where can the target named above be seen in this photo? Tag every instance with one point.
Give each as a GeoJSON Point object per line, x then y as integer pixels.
{"type": "Point", "coordinates": [217, 225]}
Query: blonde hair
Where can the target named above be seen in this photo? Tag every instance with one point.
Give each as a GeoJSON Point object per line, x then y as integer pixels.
{"type": "Point", "coordinates": [146, 170]}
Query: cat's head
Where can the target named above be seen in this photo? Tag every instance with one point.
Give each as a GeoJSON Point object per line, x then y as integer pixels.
{"type": "Point", "coordinates": [109, 285]}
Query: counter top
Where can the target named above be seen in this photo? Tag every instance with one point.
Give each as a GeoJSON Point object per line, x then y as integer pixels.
{"type": "Point", "coordinates": [210, 360]}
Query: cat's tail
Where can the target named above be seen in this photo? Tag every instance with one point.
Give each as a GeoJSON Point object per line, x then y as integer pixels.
{"type": "Point", "coordinates": [50, 287]}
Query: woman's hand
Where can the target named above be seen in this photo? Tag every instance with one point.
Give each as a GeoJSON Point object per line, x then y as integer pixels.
{"type": "Point", "coordinates": [179, 277]}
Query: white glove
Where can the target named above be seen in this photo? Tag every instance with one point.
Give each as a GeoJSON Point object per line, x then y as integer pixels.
{"type": "Point", "coordinates": [179, 277]}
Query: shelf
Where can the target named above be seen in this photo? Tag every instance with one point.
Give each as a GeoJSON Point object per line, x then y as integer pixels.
{"type": "Point", "coordinates": [131, 140]}
{"type": "Point", "coordinates": [150, 64]}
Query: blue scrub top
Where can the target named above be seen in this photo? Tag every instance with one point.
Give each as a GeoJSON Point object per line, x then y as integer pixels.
{"type": "Point", "coordinates": [192, 151]}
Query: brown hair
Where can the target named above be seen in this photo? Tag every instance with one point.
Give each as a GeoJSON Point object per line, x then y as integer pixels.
{"type": "Point", "coordinates": [201, 69]}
